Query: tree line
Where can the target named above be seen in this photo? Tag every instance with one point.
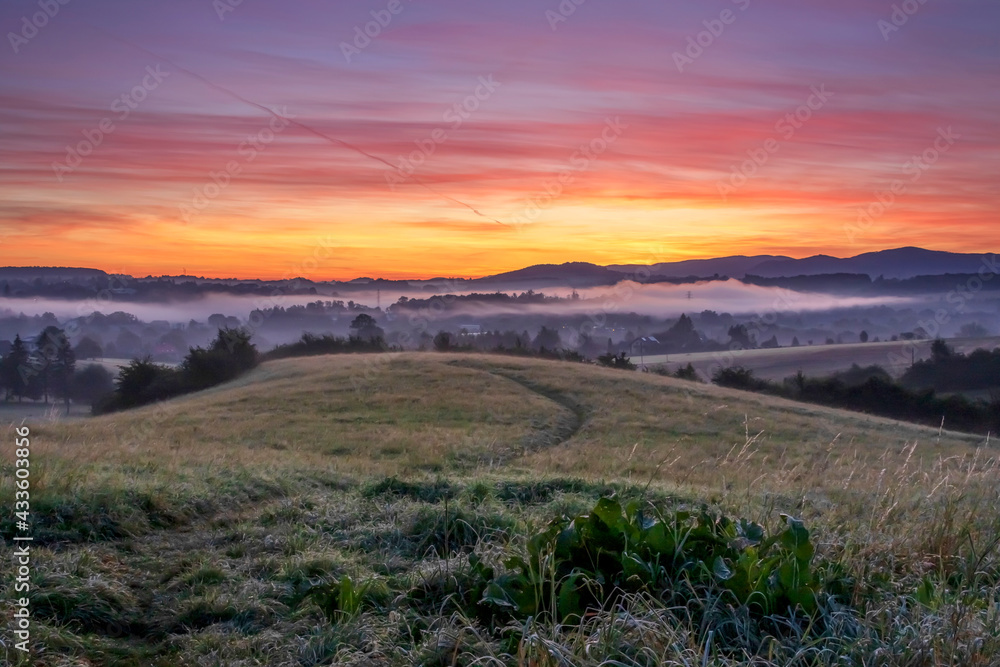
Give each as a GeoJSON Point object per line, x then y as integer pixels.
{"type": "Point", "coordinates": [872, 390]}
{"type": "Point", "coordinates": [45, 368]}
{"type": "Point", "coordinates": [947, 370]}
{"type": "Point", "coordinates": [142, 381]}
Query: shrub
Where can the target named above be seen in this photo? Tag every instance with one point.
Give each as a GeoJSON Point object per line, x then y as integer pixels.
{"type": "Point", "coordinates": [311, 344]}
{"type": "Point", "coordinates": [621, 361]}
{"type": "Point", "coordinates": [737, 377]}
{"type": "Point", "coordinates": [686, 373]}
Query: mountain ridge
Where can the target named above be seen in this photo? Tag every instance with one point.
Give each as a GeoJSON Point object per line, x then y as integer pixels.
{"type": "Point", "coordinates": [899, 263]}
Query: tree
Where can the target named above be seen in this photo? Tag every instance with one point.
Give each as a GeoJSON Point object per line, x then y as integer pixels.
{"type": "Point", "coordinates": [682, 336]}
{"type": "Point", "coordinates": [588, 347]}
{"type": "Point", "coordinates": [88, 348]}
{"type": "Point", "coordinates": [363, 321]}
{"type": "Point", "coordinates": [91, 383]}
{"type": "Point", "coordinates": [547, 339]}
{"type": "Point", "coordinates": [366, 328]}
{"type": "Point", "coordinates": [63, 369]}
{"type": "Point", "coordinates": [683, 327]}
{"type": "Point", "coordinates": [14, 370]}
{"type": "Point", "coordinates": [128, 344]}
{"type": "Point", "coordinates": [863, 337]}
{"type": "Point", "coordinates": [54, 361]}
{"type": "Point", "coordinates": [139, 383]}
{"type": "Point", "coordinates": [229, 355]}
{"type": "Point", "coordinates": [739, 336]}
{"type": "Point", "coordinates": [973, 330]}
{"type": "Point", "coordinates": [940, 350]}
{"type": "Point", "coordinates": [442, 341]}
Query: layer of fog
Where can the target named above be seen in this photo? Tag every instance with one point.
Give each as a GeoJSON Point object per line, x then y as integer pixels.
{"type": "Point", "coordinates": [658, 300]}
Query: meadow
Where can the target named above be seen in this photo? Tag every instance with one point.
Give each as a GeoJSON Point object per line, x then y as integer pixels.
{"type": "Point", "coordinates": [343, 509]}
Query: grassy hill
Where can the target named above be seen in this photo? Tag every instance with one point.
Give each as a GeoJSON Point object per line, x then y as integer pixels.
{"type": "Point", "coordinates": [186, 533]}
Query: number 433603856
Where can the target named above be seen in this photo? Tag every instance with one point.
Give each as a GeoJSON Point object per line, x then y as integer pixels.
{"type": "Point", "coordinates": [21, 472]}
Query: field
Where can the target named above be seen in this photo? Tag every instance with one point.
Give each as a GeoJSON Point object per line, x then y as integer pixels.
{"type": "Point", "coordinates": [34, 412]}
{"type": "Point", "coordinates": [192, 532]}
{"type": "Point", "coordinates": [816, 360]}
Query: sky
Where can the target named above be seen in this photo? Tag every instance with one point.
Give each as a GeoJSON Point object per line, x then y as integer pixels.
{"type": "Point", "coordinates": [421, 138]}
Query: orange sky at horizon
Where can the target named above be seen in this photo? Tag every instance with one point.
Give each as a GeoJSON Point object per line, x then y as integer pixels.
{"type": "Point", "coordinates": [422, 236]}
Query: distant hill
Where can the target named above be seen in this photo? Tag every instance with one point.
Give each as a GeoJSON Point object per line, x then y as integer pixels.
{"type": "Point", "coordinates": [735, 266]}
{"type": "Point", "coordinates": [572, 274]}
{"type": "Point", "coordinates": [49, 273]}
{"type": "Point", "coordinates": [898, 263]}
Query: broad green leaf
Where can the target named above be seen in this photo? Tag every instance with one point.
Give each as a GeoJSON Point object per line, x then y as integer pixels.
{"type": "Point", "coordinates": [659, 540]}
{"type": "Point", "coordinates": [570, 601]}
{"type": "Point", "coordinates": [609, 511]}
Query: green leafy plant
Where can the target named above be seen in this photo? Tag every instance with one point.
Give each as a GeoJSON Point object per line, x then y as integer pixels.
{"type": "Point", "coordinates": [579, 565]}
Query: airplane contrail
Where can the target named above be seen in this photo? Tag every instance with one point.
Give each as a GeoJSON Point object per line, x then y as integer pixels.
{"type": "Point", "coordinates": [303, 126]}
